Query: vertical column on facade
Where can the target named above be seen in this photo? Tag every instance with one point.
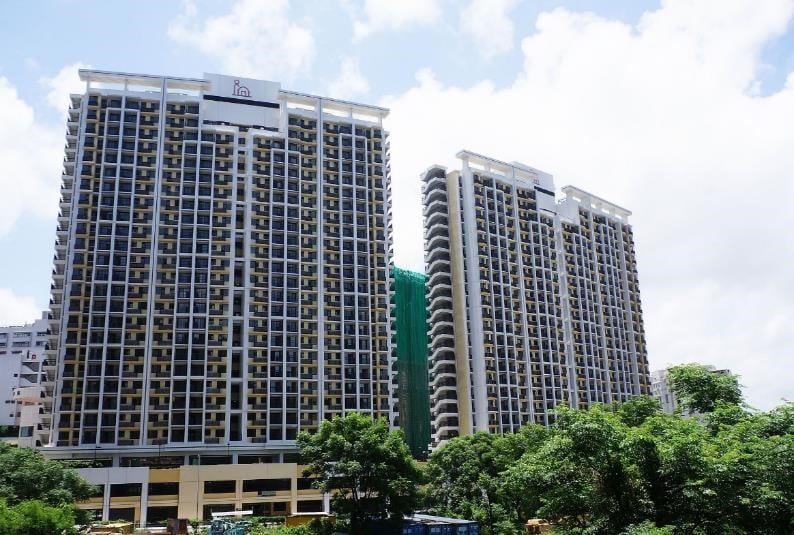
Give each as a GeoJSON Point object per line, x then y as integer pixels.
{"type": "Point", "coordinates": [537, 262]}
{"type": "Point", "coordinates": [567, 321]}
{"type": "Point", "coordinates": [528, 415]}
{"type": "Point", "coordinates": [606, 387]}
{"type": "Point", "coordinates": [243, 359]}
{"type": "Point", "coordinates": [127, 385]}
{"type": "Point", "coordinates": [385, 172]}
{"type": "Point", "coordinates": [628, 301]}
{"type": "Point", "coordinates": [323, 396]}
{"type": "Point", "coordinates": [485, 297]}
{"type": "Point", "coordinates": [476, 349]}
{"type": "Point", "coordinates": [153, 264]}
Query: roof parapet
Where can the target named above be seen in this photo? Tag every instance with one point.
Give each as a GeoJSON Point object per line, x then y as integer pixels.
{"type": "Point", "coordinates": [344, 107]}
{"type": "Point", "coordinates": [596, 203]}
{"type": "Point", "coordinates": [125, 80]}
{"type": "Point", "coordinates": [517, 170]}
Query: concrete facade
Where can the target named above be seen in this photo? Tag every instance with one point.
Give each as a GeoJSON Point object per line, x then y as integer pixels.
{"type": "Point", "coordinates": [221, 284]}
{"type": "Point", "coordinates": [148, 496]}
{"type": "Point", "coordinates": [532, 302]}
{"type": "Point", "coordinates": [222, 265]}
{"type": "Point", "coordinates": [22, 398]}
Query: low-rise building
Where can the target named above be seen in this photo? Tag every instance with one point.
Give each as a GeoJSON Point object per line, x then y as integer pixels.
{"type": "Point", "coordinates": [150, 490]}
{"type": "Point", "coordinates": [22, 362]}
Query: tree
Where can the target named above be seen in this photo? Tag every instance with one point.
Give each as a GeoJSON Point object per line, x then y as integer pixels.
{"type": "Point", "coordinates": [367, 468]}
{"type": "Point", "coordinates": [699, 388]}
{"type": "Point", "coordinates": [636, 410]}
{"type": "Point", "coordinates": [586, 475]}
{"type": "Point", "coordinates": [627, 469]}
{"type": "Point", "coordinates": [34, 517]}
{"type": "Point", "coordinates": [675, 460]}
{"type": "Point", "coordinates": [26, 475]}
{"type": "Point", "coordinates": [466, 478]}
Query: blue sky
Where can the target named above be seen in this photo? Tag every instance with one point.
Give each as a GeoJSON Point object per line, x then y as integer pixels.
{"type": "Point", "coordinates": [679, 110]}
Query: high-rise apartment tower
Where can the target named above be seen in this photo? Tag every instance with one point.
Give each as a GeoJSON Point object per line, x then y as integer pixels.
{"type": "Point", "coordinates": [532, 303]}
{"type": "Point", "coordinates": [222, 266]}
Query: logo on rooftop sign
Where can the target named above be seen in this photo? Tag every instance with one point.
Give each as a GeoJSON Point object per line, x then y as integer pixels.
{"type": "Point", "coordinates": [241, 90]}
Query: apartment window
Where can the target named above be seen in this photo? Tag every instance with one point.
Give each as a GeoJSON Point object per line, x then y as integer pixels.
{"type": "Point", "coordinates": [219, 487]}
{"type": "Point", "coordinates": [266, 485]}
{"type": "Point", "coordinates": [164, 489]}
{"type": "Point", "coordinates": [125, 489]}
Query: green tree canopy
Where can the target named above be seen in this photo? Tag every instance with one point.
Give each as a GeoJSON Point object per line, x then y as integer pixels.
{"type": "Point", "coordinates": [26, 475]}
{"type": "Point", "coordinates": [367, 468]}
{"type": "Point", "coordinates": [699, 388]}
{"type": "Point", "coordinates": [464, 477]}
{"type": "Point", "coordinates": [587, 474]}
{"type": "Point", "coordinates": [34, 517]}
{"type": "Point", "coordinates": [636, 410]}
{"type": "Point", "coordinates": [626, 469]}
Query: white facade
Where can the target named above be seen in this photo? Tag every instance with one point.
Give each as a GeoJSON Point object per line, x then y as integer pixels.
{"type": "Point", "coordinates": [222, 267]}
{"type": "Point", "coordinates": [660, 389]}
{"type": "Point", "coordinates": [532, 303]}
{"type": "Point", "coordinates": [9, 380]}
{"type": "Point", "coordinates": [22, 361]}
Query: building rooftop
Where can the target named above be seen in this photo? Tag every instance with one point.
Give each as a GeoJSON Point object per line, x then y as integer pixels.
{"type": "Point", "coordinates": [99, 79]}
{"type": "Point", "coordinates": [595, 202]}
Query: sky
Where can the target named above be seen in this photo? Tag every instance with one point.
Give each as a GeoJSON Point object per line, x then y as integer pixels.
{"type": "Point", "coordinates": [680, 110]}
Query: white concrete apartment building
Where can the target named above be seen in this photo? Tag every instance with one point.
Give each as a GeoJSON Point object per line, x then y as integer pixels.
{"type": "Point", "coordinates": [23, 402]}
{"type": "Point", "coordinates": [221, 284]}
{"type": "Point", "coordinates": [661, 390]}
{"type": "Point", "coordinates": [532, 302]}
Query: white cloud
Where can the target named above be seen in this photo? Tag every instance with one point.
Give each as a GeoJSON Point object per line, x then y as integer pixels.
{"type": "Point", "coordinates": [350, 82]}
{"type": "Point", "coordinates": [390, 15]}
{"type": "Point", "coordinates": [32, 159]}
{"type": "Point", "coordinates": [662, 118]}
{"type": "Point", "coordinates": [488, 23]}
{"type": "Point", "coordinates": [17, 309]}
{"type": "Point", "coordinates": [255, 39]}
{"type": "Point", "coordinates": [63, 84]}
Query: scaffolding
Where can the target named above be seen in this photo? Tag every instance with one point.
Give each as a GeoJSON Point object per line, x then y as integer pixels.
{"type": "Point", "coordinates": [410, 318]}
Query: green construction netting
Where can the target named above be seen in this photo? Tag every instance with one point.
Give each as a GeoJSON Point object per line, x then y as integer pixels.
{"type": "Point", "coordinates": [410, 315]}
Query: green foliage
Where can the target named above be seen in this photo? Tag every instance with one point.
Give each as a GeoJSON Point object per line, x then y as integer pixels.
{"type": "Point", "coordinates": [26, 475]}
{"type": "Point", "coordinates": [315, 527]}
{"type": "Point", "coordinates": [699, 388]}
{"type": "Point", "coordinates": [34, 517]}
{"type": "Point", "coordinates": [636, 410]}
{"type": "Point", "coordinates": [626, 469]}
{"type": "Point", "coordinates": [367, 468]}
{"type": "Point", "coordinates": [648, 528]}
{"type": "Point", "coordinates": [280, 530]}
{"type": "Point", "coordinates": [587, 474]}
{"type": "Point", "coordinates": [464, 477]}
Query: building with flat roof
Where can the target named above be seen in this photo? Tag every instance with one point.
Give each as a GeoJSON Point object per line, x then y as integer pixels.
{"type": "Point", "coordinates": [532, 302]}
{"type": "Point", "coordinates": [221, 279]}
{"type": "Point", "coordinates": [23, 402]}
